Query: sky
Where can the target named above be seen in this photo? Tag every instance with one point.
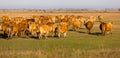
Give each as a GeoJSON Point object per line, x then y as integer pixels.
{"type": "Point", "coordinates": [57, 4]}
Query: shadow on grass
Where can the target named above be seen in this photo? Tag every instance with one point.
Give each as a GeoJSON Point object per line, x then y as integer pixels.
{"type": "Point", "coordinates": [96, 33]}
{"type": "Point", "coordinates": [81, 32]}
{"type": "Point", "coordinates": [3, 36]}
{"type": "Point", "coordinates": [43, 37]}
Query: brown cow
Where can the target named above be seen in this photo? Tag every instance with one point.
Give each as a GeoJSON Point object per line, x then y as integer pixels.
{"type": "Point", "coordinates": [105, 27]}
{"type": "Point", "coordinates": [89, 26]}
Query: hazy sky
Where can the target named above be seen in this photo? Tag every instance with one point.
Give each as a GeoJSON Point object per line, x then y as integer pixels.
{"type": "Point", "coordinates": [51, 4]}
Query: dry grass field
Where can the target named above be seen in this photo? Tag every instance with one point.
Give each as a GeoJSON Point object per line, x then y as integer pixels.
{"type": "Point", "coordinates": [77, 44]}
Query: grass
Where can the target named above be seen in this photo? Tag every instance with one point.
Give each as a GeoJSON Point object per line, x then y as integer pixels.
{"type": "Point", "coordinates": [77, 44]}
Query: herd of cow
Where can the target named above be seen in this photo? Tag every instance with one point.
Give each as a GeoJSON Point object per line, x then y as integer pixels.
{"type": "Point", "coordinates": [43, 25]}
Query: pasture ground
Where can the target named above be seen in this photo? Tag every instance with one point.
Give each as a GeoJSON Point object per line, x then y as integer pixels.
{"type": "Point", "coordinates": [77, 44]}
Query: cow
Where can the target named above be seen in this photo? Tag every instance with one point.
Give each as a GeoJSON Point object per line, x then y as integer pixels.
{"type": "Point", "coordinates": [37, 18]}
{"type": "Point", "coordinates": [6, 18]}
{"type": "Point", "coordinates": [76, 24]}
{"type": "Point", "coordinates": [100, 18]}
{"type": "Point", "coordinates": [89, 26]}
{"type": "Point", "coordinates": [52, 28]}
{"type": "Point", "coordinates": [43, 30]}
{"type": "Point", "coordinates": [8, 31]}
{"type": "Point", "coordinates": [57, 19]}
{"type": "Point", "coordinates": [71, 19]}
{"type": "Point", "coordinates": [10, 28]}
{"type": "Point", "coordinates": [105, 27]}
{"type": "Point", "coordinates": [65, 18]}
{"type": "Point", "coordinates": [91, 18]}
{"type": "Point", "coordinates": [61, 28]}
{"type": "Point", "coordinates": [5, 27]}
{"type": "Point", "coordinates": [23, 27]}
{"type": "Point", "coordinates": [33, 28]}
{"type": "Point", "coordinates": [15, 29]}
{"type": "Point", "coordinates": [81, 19]}
{"type": "Point", "coordinates": [18, 19]}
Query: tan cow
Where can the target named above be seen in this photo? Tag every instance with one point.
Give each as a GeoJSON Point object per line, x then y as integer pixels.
{"type": "Point", "coordinates": [81, 19]}
{"type": "Point", "coordinates": [10, 28]}
{"type": "Point", "coordinates": [6, 18]}
{"type": "Point", "coordinates": [62, 28]}
{"type": "Point", "coordinates": [76, 24]}
{"type": "Point", "coordinates": [37, 18]}
{"type": "Point", "coordinates": [6, 28]}
{"type": "Point", "coordinates": [57, 19]}
{"type": "Point", "coordinates": [17, 20]}
{"type": "Point", "coordinates": [43, 31]}
{"type": "Point", "coordinates": [91, 18]}
{"type": "Point", "coordinates": [105, 27]}
{"type": "Point", "coordinates": [100, 18]}
{"type": "Point", "coordinates": [15, 29]}
{"type": "Point", "coordinates": [52, 28]}
{"type": "Point", "coordinates": [33, 28]}
{"type": "Point", "coordinates": [71, 20]}
{"type": "Point", "coordinates": [23, 26]}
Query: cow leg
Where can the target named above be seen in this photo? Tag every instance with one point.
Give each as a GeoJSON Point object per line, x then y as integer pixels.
{"type": "Point", "coordinates": [58, 35]}
{"type": "Point", "coordinates": [22, 33]}
{"type": "Point", "coordinates": [74, 28]}
{"type": "Point", "coordinates": [65, 34]}
{"type": "Point", "coordinates": [9, 35]}
{"type": "Point", "coordinates": [46, 35]}
{"type": "Point", "coordinates": [89, 32]}
{"type": "Point", "coordinates": [4, 34]}
{"type": "Point", "coordinates": [32, 32]}
{"type": "Point", "coordinates": [53, 34]}
{"type": "Point", "coordinates": [110, 32]}
{"type": "Point", "coordinates": [103, 32]}
{"type": "Point", "coordinates": [16, 34]}
{"type": "Point", "coordinates": [40, 36]}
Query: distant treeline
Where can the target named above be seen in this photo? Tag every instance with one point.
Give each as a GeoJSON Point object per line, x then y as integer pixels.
{"type": "Point", "coordinates": [59, 11]}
